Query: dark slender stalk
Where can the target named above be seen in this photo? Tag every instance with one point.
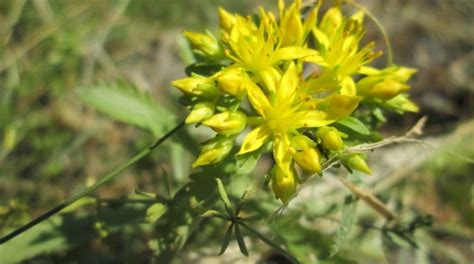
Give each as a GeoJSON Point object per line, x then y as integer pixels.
{"type": "Point", "coordinates": [105, 179]}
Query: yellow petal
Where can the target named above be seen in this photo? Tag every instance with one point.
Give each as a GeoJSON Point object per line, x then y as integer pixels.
{"type": "Point", "coordinates": [255, 139]}
{"type": "Point", "coordinates": [348, 86]}
{"type": "Point", "coordinates": [282, 152]}
{"type": "Point", "coordinates": [258, 99]}
{"type": "Point", "coordinates": [338, 106]}
{"type": "Point", "coordinates": [288, 85]}
{"type": "Point", "coordinates": [312, 119]}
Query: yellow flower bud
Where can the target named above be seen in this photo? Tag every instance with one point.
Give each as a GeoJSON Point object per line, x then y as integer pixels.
{"type": "Point", "coordinates": [226, 20]}
{"type": "Point", "coordinates": [283, 184]}
{"type": "Point", "coordinates": [232, 81]}
{"type": "Point", "coordinates": [214, 151]}
{"type": "Point", "coordinates": [403, 74]}
{"type": "Point", "coordinates": [402, 103]}
{"type": "Point", "coordinates": [306, 155]}
{"type": "Point", "coordinates": [356, 162]}
{"type": "Point", "coordinates": [331, 20]}
{"type": "Point", "coordinates": [200, 112]}
{"type": "Point", "coordinates": [380, 87]}
{"type": "Point", "coordinates": [227, 123]}
{"type": "Point", "coordinates": [331, 138]}
{"type": "Point", "coordinates": [196, 85]}
{"type": "Point", "coordinates": [204, 43]}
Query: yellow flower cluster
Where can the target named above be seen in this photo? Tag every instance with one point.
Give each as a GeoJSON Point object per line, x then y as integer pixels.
{"type": "Point", "coordinates": [262, 83]}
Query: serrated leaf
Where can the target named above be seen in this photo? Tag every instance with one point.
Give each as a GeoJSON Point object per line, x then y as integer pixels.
{"type": "Point", "coordinates": [225, 242]}
{"type": "Point", "coordinates": [155, 212]}
{"type": "Point", "coordinates": [354, 125]}
{"type": "Point", "coordinates": [224, 197]}
{"type": "Point", "coordinates": [347, 222]}
{"type": "Point", "coordinates": [127, 104]}
{"type": "Point", "coordinates": [241, 241]}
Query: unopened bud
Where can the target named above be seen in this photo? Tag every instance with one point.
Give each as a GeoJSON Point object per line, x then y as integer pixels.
{"type": "Point", "coordinates": [214, 151]}
{"type": "Point", "coordinates": [196, 85]}
{"type": "Point", "coordinates": [226, 20]}
{"type": "Point", "coordinates": [306, 155]}
{"type": "Point", "coordinates": [283, 184]}
{"type": "Point", "coordinates": [227, 123]}
{"type": "Point", "coordinates": [200, 112]}
{"type": "Point", "coordinates": [232, 82]}
{"type": "Point", "coordinates": [204, 43]}
{"type": "Point", "coordinates": [331, 138]}
{"type": "Point", "coordinates": [356, 162]}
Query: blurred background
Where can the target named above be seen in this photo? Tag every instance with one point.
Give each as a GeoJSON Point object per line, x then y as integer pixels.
{"type": "Point", "coordinates": [52, 145]}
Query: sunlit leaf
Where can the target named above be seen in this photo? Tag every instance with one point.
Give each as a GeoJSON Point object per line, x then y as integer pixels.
{"type": "Point", "coordinates": [155, 212]}
{"type": "Point", "coordinates": [125, 103]}
{"type": "Point", "coordinates": [354, 125]}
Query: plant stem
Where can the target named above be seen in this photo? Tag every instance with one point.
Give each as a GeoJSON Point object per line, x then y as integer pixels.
{"type": "Point", "coordinates": [105, 179]}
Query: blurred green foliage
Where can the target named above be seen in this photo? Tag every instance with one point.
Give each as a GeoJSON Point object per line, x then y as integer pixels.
{"type": "Point", "coordinates": [53, 145]}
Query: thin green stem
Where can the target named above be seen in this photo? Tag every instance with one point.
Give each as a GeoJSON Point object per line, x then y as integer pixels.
{"type": "Point", "coordinates": [269, 242]}
{"type": "Point", "coordinates": [105, 179]}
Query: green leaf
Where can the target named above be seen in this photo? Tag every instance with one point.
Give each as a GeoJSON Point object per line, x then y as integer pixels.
{"type": "Point", "coordinates": [224, 196]}
{"type": "Point", "coordinates": [246, 163]}
{"type": "Point", "coordinates": [354, 125]}
{"type": "Point", "coordinates": [225, 242]}
{"type": "Point", "coordinates": [241, 241]}
{"type": "Point", "coordinates": [155, 212]}
{"type": "Point", "coordinates": [125, 103]}
{"type": "Point", "coordinates": [347, 222]}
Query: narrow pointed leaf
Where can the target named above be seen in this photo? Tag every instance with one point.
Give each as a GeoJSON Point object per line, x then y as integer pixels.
{"type": "Point", "coordinates": [224, 197]}
{"type": "Point", "coordinates": [241, 241]}
{"type": "Point", "coordinates": [225, 242]}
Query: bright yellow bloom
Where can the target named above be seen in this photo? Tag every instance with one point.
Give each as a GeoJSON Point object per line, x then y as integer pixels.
{"type": "Point", "coordinates": [283, 113]}
{"type": "Point", "coordinates": [338, 40]}
{"type": "Point", "coordinates": [258, 49]}
{"type": "Point", "coordinates": [292, 29]}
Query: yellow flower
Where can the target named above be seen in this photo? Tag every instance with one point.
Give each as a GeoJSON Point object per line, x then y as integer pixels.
{"type": "Point", "coordinates": [338, 40]}
{"type": "Point", "coordinates": [283, 113]}
{"type": "Point", "coordinates": [292, 29]}
{"type": "Point", "coordinates": [258, 49]}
